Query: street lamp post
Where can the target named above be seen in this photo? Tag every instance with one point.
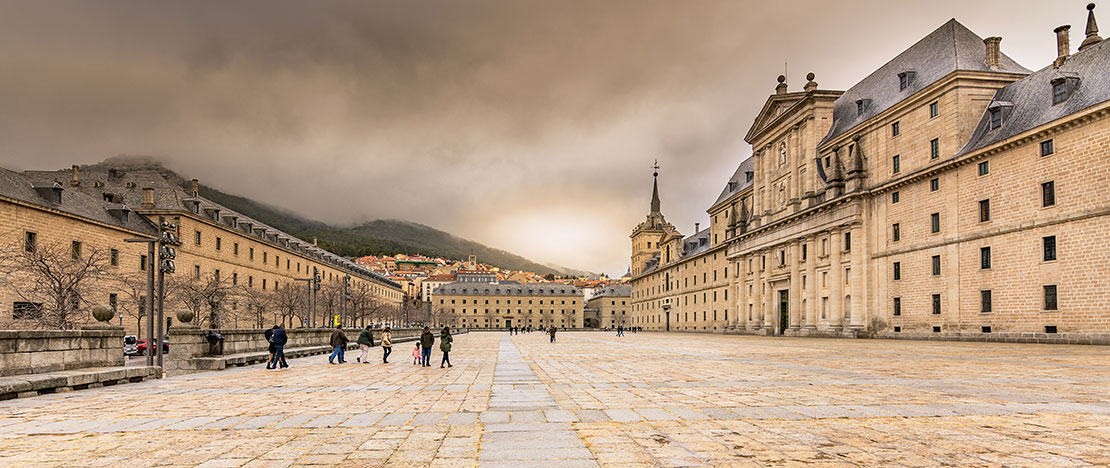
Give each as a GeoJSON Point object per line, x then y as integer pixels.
{"type": "Point", "coordinates": [150, 265]}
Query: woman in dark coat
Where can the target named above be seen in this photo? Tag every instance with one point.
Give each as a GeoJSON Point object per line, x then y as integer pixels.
{"type": "Point", "coordinates": [445, 346]}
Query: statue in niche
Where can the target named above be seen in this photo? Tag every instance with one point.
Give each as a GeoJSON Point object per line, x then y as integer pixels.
{"type": "Point", "coordinates": [782, 154]}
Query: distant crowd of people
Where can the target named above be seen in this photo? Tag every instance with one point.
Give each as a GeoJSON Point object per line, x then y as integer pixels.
{"type": "Point", "coordinates": [421, 353]}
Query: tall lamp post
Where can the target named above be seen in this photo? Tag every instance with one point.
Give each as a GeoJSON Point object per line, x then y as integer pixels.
{"type": "Point", "coordinates": [149, 297]}
{"type": "Point", "coordinates": [168, 239]}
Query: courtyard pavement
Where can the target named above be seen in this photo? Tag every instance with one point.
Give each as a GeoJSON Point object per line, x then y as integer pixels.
{"type": "Point", "coordinates": [593, 399]}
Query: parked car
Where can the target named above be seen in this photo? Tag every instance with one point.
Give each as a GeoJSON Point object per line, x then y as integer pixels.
{"type": "Point", "coordinates": [141, 345]}
{"type": "Point", "coordinates": [130, 345]}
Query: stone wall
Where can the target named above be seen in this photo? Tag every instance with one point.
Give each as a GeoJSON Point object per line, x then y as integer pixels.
{"type": "Point", "coordinates": [40, 351]}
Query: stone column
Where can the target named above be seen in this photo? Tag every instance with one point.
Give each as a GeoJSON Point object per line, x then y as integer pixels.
{"type": "Point", "coordinates": [768, 168]}
{"type": "Point", "coordinates": [836, 281]}
{"type": "Point", "coordinates": [768, 295]}
{"type": "Point", "coordinates": [756, 321]}
{"type": "Point", "coordinates": [795, 294]}
{"type": "Point", "coordinates": [793, 153]}
{"type": "Point", "coordinates": [859, 312]}
{"type": "Point", "coordinates": [739, 293]}
{"type": "Point", "coordinates": [812, 285]}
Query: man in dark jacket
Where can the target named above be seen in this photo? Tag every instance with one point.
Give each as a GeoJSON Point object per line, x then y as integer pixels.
{"type": "Point", "coordinates": [339, 342]}
{"type": "Point", "coordinates": [427, 339]}
{"type": "Point", "coordinates": [278, 340]}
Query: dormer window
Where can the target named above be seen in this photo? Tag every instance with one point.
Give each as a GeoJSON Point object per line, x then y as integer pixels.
{"type": "Point", "coordinates": [995, 112]}
{"type": "Point", "coordinates": [996, 118]}
{"type": "Point", "coordinates": [904, 80]}
{"type": "Point", "coordinates": [1059, 91]}
{"type": "Point", "coordinates": [861, 106]}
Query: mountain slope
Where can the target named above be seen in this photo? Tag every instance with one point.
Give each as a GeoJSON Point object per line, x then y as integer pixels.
{"type": "Point", "coordinates": [379, 237]}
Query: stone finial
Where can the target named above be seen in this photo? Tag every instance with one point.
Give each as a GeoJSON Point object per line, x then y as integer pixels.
{"type": "Point", "coordinates": [781, 87]}
{"type": "Point", "coordinates": [1063, 48]}
{"type": "Point", "coordinates": [810, 84]}
{"type": "Point", "coordinates": [1092, 29]}
{"type": "Point", "coordinates": [196, 188]}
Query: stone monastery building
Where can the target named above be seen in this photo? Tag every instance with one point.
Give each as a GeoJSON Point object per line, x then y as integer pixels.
{"type": "Point", "coordinates": [950, 194]}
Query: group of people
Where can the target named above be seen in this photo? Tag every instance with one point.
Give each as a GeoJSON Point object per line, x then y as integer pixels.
{"type": "Point", "coordinates": [422, 353]}
{"type": "Point", "coordinates": [549, 330]}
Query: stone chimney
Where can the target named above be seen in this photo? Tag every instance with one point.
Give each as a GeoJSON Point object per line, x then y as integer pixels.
{"type": "Point", "coordinates": [196, 188]}
{"type": "Point", "coordinates": [74, 180]}
{"type": "Point", "coordinates": [781, 87]}
{"type": "Point", "coordinates": [148, 197]}
{"type": "Point", "coordinates": [697, 228]}
{"type": "Point", "coordinates": [1092, 29]}
{"type": "Point", "coordinates": [315, 242]}
{"type": "Point", "coordinates": [1063, 49]}
{"type": "Point", "coordinates": [994, 53]}
{"type": "Point", "coordinates": [811, 85]}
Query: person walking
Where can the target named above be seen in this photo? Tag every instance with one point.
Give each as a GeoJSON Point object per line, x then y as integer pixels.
{"type": "Point", "coordinates": [620, 330]}
{"type": "Point", "coordinates": [416, 353]}
{"type": "Point", "coordinates": [445, 340]}
{"type": "Point", "coordinates": [365, 341]}
{"type": "Point", "coordinates": [387, 344]}
{"type": "Point", "coordinates": [339, 342]}
{"type": "Point", "coordinates": [278, 339]}
{"type": "Point", "coordinates": [427, 339]}
{"type": "Point", "coordinates": [269, 334]}
{"type": "Point", "coordinates": [551, 331]}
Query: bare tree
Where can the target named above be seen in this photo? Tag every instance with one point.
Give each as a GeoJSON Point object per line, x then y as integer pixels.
{"type": "Point", "coordinates": [205, 297]}
{"type": "Point", "coordinates": [55, 282]}
{"type": "Point", "coordinates": [289, 301]}
{"type": "Point", "coordinates": [258, 301]}
{"type": "Point", "coordinates": [328, 301]}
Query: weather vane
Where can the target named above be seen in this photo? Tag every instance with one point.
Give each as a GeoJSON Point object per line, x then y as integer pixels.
{"type": "Point", "coordinates": [656, 167]}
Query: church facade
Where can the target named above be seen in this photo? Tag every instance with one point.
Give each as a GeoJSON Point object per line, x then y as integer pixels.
{"type": "Point", "coordinates": [950, 194]}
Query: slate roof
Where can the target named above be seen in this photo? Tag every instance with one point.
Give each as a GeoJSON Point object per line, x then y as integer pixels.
{"type": "Point", "coordinates": [126, 187]}
{"type": "Point", "coordinates": [949, 48]}
{"type": "Point", "coordinates": [696, 243]}
{"type": "Point", "coordinates": [1031, 97]}
{"type": "Point", "coordinates": [20, 187]}
{"type": "Point", "coordinates": [739, 181]}
{"type": "Point", "coordinates": [508, 288]}
{"type": "Point", "coordinates": [616, 290]}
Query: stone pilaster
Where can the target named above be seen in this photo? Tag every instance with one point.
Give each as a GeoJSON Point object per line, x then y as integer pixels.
{"type": "Point", "coordinates": [795, 291]}
{"type": "Point", "coordinates": [859, 312]}
{"type": "Point", "coordinates": [836, 280]}
{"type": "Point", "coordinates": [812, 285]}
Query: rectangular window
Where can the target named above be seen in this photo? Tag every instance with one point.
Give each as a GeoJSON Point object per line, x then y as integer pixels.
{"type": "Point", "coordinates": [1046, 148]}
{"type": "Point", "coordinates": [142, 262]}
{"type": "Point", "coordinates": [984, 168]}
{"type": "Point", "coordinates": [113, 257]}
{"type": "Point", "coordinates": [1049, 248]}
{"type": "Point", "coordinates": [113, 302]}
{"type": "Point", "coordinates": [196, 271]}
{"type": "Point", "coordinates": [1059, 92]}
{"type": "Point", "coordinates": [936, 304]}
{"type": "Point", "coordinates": [984, 211]}
{"type": "Point", "coordinates": [847, 242]}
{"type": "Point", "coordinates": [235, 279]}
{"type": "Point", "coordinates": [995, 118]}
{"type": "Point", "coordinates": [897, 271]}
{"type": "Point", "coordinates": [1048, 194]}
{"type": "Point", "coordinates": [894, 197]}
{"type": "Point", "coordinates": [934, 220]}
{"type": "Point", "coordinates": [985, 301]}
{"type": "Point", "coordinates": [896, 231]}
{"type": "Point", "coordinates": [219, 243]}
{"type": "Point", "coordinates": [985, 258]}
{"type": "Point", "coordinates": [805, 252]}
{"type": "Point", "coordinates": [934, 148]}
{"type": "Point", "coordinates": [250, 253]}
{"type": "Point", "coordinates": [934, 184]}
{"type": "Point", "coordinates": [894, 130]}
{"type": "Point", "coordinates": [897, 306]}
{"type": "Point", "coordinates": [30, 240]}
{"type": "Point", "coordinates": [75, 250]}
{"type": "Point", "coordinates": [896, 163]}
{"type": "Point", "coordinates": [936, 265]}
{"type": "Point", "coordinates": [934, 109]}
{"type": "Point", "coordinates": [1050, 297]}
{"type": "Point", "coordinates": [197, 237]}
{"type": "Point", "coordinates": [235, 248]}
{"type": "Point", "coordinates": [26, 310]}
{"type": "Point", "coordinates": [216, 275]}
{"type": "Point", "coordinates": [265, 255]}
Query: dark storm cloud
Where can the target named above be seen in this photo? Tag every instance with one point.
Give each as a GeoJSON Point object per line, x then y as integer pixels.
{"type": "Point", "coordinates": [462, 115]}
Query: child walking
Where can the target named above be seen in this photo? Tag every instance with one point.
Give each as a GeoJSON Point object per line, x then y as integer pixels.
{"type": "Point", "coordinates": [416, 354]}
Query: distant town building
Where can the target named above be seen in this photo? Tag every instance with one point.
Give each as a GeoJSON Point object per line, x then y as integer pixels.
{"type": "Point", "coordinates": [503, 305]}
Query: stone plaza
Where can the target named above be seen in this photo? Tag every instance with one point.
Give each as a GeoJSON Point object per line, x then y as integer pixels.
{"type": "Point", "coordinates": [594, 399]}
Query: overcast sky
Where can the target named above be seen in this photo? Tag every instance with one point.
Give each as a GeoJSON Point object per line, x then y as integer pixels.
{"type": "Point", "coordinates": [528, 126]}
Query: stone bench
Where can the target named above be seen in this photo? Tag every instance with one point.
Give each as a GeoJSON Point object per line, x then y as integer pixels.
{"type": "Point", "coordinates": [27, 385]}
{"type": "Point", "coordinates": [258, 357]}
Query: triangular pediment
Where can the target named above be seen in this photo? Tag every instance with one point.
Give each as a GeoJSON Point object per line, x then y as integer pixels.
{"type": "Point", "coordinates": [775, 106]}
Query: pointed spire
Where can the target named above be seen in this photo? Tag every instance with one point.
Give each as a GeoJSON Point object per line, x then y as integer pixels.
{"type": "Point", "coordinates": [655, 188]}
{"type": "Point", "coordinates": [1092, 29]}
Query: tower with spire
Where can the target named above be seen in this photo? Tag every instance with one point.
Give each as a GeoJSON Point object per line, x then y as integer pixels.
{"type": "Point", "coordinates": [647, 236]}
